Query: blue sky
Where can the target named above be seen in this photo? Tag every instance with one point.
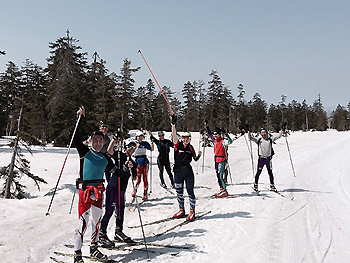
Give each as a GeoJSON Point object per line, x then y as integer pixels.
{"type": "Point", "coordinates": [293, 48]}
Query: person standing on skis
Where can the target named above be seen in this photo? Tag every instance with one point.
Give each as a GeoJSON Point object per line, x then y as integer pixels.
{"type": "Point", "coordinates": [220, 158]}
{"type": "Point", "coordinates": [163, 161]}
{"type": "Point", "coordinates": [115, 192]}
{"type": "Point", "coordinates": [265, 153]}
{"type": "Point", "coordinates": [142, 163]}
{"type": "Point", "coordinates": [183, 155]}
{"type": "Point", "coordinates": [90, 184]}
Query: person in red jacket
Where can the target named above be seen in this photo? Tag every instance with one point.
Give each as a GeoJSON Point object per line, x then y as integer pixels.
{"type": "Point", "coordinates": [220, 156]}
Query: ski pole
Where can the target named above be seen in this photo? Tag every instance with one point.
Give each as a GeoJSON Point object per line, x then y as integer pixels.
{"type": "Point", "coordinates": [250, 152]}
{"type": "Point", "coordinates": [290, 156]}
{"type": "Point", "coordinates": [139, 212]}
{"type": "Point", "coordinates": [71, 205]}
{"type": "Point", "coordinates": [64, 163]}
{"type": "Point", "coordinates": [154, 77]}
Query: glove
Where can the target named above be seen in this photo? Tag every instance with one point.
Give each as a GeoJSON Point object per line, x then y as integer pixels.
{"type": "Point", "coordinates": [242, 132]}
{"type": "Point", "coordinates": [284, 126]}
{"type": "Point", "coordinates": [117, 135]}
{"type": "Point", "coordinates": [174, 119]}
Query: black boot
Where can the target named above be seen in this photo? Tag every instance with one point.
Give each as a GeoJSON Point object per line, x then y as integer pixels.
{"type": "Point", "coordinates": [95, 254]}
{"type": "Point", "coordinates": [105, 241]}
{"type": "Point", "coordinates": [78, 258]}
{"type": "Point", "coordinates": [121, 237]}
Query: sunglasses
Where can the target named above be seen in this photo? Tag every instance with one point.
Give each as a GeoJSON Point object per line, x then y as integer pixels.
{"type": "Point", "coordinates": [131, 147]}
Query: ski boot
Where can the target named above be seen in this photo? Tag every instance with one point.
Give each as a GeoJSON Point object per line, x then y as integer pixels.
{"type": "Point", "coordinates": [133, 194]}
{"type": "Point", "coordinates": [273, 188]}
{"type": "Point", "coordinates": [180, 214]}
{"type": "Point", "coordinates": [255, 188]}
{"type": "Point", "coordinates": [78, 258]}
{"type": "Point", "coordinates": [163, 185]}
{"type": "Point", "coordinates": [223, 193]}
{"type": "Point", "coordinates": [144, 195]}
{"type": "Point", "coordinates": [219, 193]}
{"type": "Point", "coordinates": [105, 241]}
{"type": "Point", "coordinates": [191, 215]}
{"type": "Point", "coordinates": [95, 254]}
{"type": "Point", "coordinates": [119, 236]}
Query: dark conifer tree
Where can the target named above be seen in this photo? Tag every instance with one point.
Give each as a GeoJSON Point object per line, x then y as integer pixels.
{"type": "Point", "coordinates": [257, 112]}
{"type": "Point", "coordinates": [320, 115]}
{"type": "Point", "coordinates": [123, 114]}
{"type": "Point", "coordinates": [10, 88]}
{"type": "Point", "coordinates": [102, 85]}
{"type": "Point", "coordinates": [35, 97]}
{"type": "Point", "coordinates": [339, 118]}
{"type": "Point", "coordinates": [68, 88]}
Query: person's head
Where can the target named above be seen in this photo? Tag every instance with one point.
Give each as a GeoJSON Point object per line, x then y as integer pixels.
{"type": "Point", "coordinates": [130, 148]}
{"type": "Point", "coordinates": [103, 127]}
{"type": "Point", "coordinates": [97, 140]}
{"type": "Point", "coordinates": [186, 138]}
{"type": "Point", "coordinates": [264, 133]}
{"type": "Point", "coordinates": [161, 135]}
{"type": "Point", "coordinates": [217, 133]}
{"type": "Point", "coordinates": [140, 137]}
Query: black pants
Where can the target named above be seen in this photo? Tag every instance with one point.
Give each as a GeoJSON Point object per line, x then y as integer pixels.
{"type": "Point", "coordinates": [161, 165]}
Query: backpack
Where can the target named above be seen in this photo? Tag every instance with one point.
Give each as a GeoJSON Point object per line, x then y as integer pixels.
{"type": "Point", "coordinates": [272, 150]}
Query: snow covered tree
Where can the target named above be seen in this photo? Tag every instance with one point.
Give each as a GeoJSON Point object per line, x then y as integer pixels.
{"type": "Point", "coordinates": [18, 166]}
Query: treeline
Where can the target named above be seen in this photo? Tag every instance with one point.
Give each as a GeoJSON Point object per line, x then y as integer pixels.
{"type": "Point", "coordinates": [50, 97]}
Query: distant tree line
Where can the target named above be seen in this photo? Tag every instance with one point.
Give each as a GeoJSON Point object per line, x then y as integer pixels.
{"type": "Point", "coordinates": [52, 95]}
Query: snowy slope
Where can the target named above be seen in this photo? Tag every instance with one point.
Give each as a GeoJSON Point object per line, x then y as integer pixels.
{"type": "Point", "coordinates": [313, 227]}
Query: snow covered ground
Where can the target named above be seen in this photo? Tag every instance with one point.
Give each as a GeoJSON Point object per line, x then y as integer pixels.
{"type": "Point", "coordinates": [310, 224]}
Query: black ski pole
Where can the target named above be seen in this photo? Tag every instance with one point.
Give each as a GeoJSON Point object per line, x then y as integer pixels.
{"type": "Point", "coordinates": [284, 126]}
{"type": "Point", "coordinates": [64, 163]}
{"type": "Point", "coordinates": [139, 212]}
{"type": "Point", "coordinates": [250, 152]}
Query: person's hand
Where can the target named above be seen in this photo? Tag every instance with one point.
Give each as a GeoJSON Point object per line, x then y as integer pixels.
{"type": "Point", "coordinates": [81, 111]}
{"type": "Point", "coordinates": [174, 119]}
{"type": "Point", "coordinates": [200, 153]}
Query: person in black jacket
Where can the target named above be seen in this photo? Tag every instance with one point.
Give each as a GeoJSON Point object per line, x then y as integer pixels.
{"type": "Point", "coordinates": [115, 192]}
{"type": "Point", "coordinates": [163, 146]}
{"type": "Point", "coordinates": [183, 155]}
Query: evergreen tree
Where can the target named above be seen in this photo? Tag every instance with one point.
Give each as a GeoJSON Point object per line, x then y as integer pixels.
{"type": "Point", "coordinates": [35, 95]}
{"type": "Point", "coordinates": [257, 112]}
{"type": "Point", "coordinates": [320, 116]}
{"type": "Point", "coordinates": [10, 88]}
{"type": "Point", "coordinates": [190, 106]}
{"type": "Point", "coordinates": [68, 88]}
{"type": "Point", "coordinates": [340, 118]}
{"type": "Point", "coordinates": [241, 110]}
{"type": "Point", "coordinates": [102, 85]}
{"type": "Point", "coordinates": [124, 94]}
{"type": "Point", "coordinates": [274, 118]}
{"type": "Point", "coordinates": [219, 101]}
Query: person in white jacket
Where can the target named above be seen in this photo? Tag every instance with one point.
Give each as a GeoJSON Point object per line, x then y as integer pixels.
{"type": "Point", "coordinates": [265, 153]}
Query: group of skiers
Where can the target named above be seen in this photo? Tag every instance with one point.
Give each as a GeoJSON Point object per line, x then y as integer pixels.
{"type": "Point", "coordinates": [106, 157]}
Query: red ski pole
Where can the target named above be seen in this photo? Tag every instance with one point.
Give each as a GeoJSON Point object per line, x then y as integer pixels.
{"type": "Point", "coordinates": [154, 77]}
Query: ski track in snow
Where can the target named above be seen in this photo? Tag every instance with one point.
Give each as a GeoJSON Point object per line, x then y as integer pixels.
{"type": "Point", "coordinates": [313, 227]}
